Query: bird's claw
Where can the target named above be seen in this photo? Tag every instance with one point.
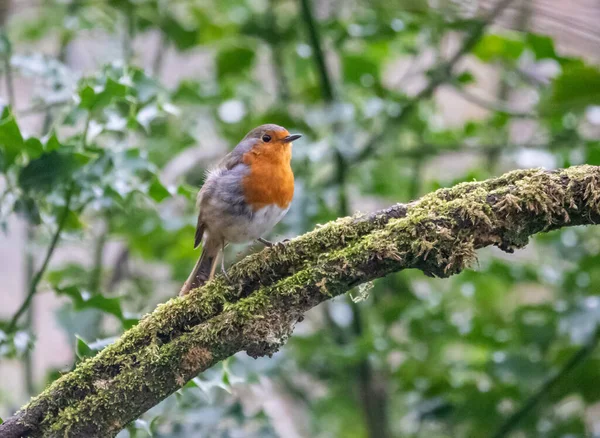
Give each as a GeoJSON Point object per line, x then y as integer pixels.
{"type": "Point", "coordinates": [227, 277]}
{"type": "Point", "coordinates": [223, 271]}
{"type": "Point", "coordinates": [270, 244]}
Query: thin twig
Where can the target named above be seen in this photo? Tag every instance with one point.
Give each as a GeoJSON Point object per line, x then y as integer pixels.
{"type": "Point", "coordinates": [496, 106]}
{"type": "Point", "coordinates": [580, 356]}
{"type": "Point", "coordinates": [34, 109]}
{"type": "Point", "coordinates": [86, 128]}
{"type": "Point", "coordinates": [95, 280]}
{"type": "Point", "coordinates": [38, 276]}
{"type": "Point", "coordinates": [159, 56]}
{"type": "Point", "coordinates": [277, 54]}
{"type": "Point", "coordinates": [10, 86]}
{"type": "Point", "coordinates": [128, 36]}
{"type": "Point", "coordinates": [29, 315]}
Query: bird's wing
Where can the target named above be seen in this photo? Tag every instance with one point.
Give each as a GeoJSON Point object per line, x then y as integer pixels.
{"type": "Point", "coordinates": [199, 232]}
{"type": "Point", "coordinates": [231, 160]}
{"type": "Point", "coordinates": [236, 156]}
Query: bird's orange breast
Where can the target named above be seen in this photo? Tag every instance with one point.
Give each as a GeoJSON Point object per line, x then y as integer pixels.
{"type": "Point", "coordinates": [270, 180]}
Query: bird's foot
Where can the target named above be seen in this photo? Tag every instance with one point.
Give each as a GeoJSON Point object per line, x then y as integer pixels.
{"type": "Point", "coordinates": [270, 244]}
{"type": "Point", "coordinates": [223, 271]}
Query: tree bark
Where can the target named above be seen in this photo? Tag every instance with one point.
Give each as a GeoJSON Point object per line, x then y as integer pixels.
{"type": "Point", "coordinates": [268, 292]}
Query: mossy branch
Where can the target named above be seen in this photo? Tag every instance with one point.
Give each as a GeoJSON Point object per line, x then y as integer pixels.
{"type": "Point", "coordinates": [270, 291]}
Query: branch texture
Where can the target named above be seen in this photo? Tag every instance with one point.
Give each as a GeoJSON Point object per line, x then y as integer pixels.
{"type": "Point", "coordinates": [270, 291]}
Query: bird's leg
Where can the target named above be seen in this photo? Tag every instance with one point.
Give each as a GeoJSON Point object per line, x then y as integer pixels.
{"type": "Point", "coordinates": [223, 262]}
{"type": "Point", "coordinates": [265, 242]}
{"type": "Point", "coordinates": [271, 244]}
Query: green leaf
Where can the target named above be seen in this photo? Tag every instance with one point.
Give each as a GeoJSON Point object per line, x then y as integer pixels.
{"type": "Point", "coordinates": [82, 349]}
{"type": "Point", "coordinates": [46, 172]}
{"type": "Point", "coordinates": [593, 153]}
{"type": "Point", "coordinates": [83, 300]}
{"type": "Point", "coordinates": [112, 90]}
{"type": "Point", "coordinates": [183, 37]}
{"type": "Point", "coordinates": [466, 78]}
{"type": "Point", "coordinates": [88, 97]}
{"type": "Point", "coordinates": [574, 90]}
{"type": "Point", "coordinates": [115, 89]}
{"type": "Point", "coordinates": [52, 143]}
{"type": "Point", "coordinates": [143, 425]}
{"type": "Point", "coordinates": [358, 69]}
{"type": "Point", "coordinates": [33, 148]}
{"type": "Point", "coordinates": [157, 191]}
{"type": "Point", "coordinates": [11, 140]}
{"type": "Point", "coordinates": [73, 221]}
{"type": "Point", "coordinates": [494, 47]}
{"type": "Point", "coordinates": [27, 208]}
{"type": "Point", "coordinates": [542, 46]}
{"type": "Point", "coordinates": [234, 61]}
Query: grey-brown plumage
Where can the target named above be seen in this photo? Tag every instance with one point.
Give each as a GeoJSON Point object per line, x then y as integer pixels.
{"type": "Point", "coordinates": [259, 167]}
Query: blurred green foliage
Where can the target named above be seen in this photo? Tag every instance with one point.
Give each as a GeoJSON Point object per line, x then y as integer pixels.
{"type": "Point", "coordinates": [419, 357]}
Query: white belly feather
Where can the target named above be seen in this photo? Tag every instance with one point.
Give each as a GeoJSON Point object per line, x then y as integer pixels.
{"type": "Point", "coordinates": [248, 228]}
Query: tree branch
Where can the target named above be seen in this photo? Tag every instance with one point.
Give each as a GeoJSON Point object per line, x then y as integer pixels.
{"type": "Point", "coordinates": [268, 292]}
{"type": "Point", "coordinates": [491, 105]}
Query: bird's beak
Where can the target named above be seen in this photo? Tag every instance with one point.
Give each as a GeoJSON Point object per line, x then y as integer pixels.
{"type": "Point", "coordinates": [291, 138]}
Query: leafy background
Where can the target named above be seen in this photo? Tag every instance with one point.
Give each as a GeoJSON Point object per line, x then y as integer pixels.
{"type": "Point", "coordinates": [112, 110]}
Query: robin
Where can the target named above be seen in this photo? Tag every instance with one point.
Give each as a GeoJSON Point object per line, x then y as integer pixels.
{"type": "Point", "coordinates": [243, 197]}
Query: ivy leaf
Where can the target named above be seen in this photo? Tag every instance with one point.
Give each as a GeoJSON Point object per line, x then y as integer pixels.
{"type": "Point", "coordinates": [82, 349]}
{"type": "Point", "coordinates": [574, 90]}
{"type": "Point", "coordinates": [143, 425]}
{"type": "Point", "coordinates": [27, 208]}
{"type": "Point", "coordinates": [542, 46]}
{"type": "Point", "coordinates": [207, 387]}
{"type": "Point", "coordinates": [466, 78]}
{"type": "Point", "coordinates": [73, 221]}
{"type": "Point", "coordinates": [182, 37]}
{"type": "Point", "coordinates": [87, 96]}
{"type": "Point", "coordinates": [85, 300]}
{"type": "Point", "coordinates": [234, 61]}
{"type": "Point", "coordinates": [52, 143]}
{"type": "Point", "coordinates": [46, 172]}
{"type": "Point", "coordinates": [33, 148]}
{"type": "Point", "coordinates": [157, 191]}
{"type": "Point", "coordinates": [494, 47]}
{"type": "Point", "coordinates": [112, 90]}
{"type": "Point", "coordinates": [11, 140]}
{"type": "Point", "coordinates": [85, 349]}
{"type": "Point", "coordinates": [358, 69]}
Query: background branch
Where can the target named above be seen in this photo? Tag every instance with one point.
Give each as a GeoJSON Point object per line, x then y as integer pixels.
{"type": "Point", "coordinates": [269, 292]}
{"type": "Point", "coordinates": [12, 325]}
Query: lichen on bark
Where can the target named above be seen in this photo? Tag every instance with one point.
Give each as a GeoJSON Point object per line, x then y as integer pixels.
{"type": "Point", "coordinates": [268, 292]}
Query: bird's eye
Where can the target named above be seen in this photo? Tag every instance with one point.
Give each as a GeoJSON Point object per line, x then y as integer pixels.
{"type": "Point", "coordinates": [266, 138]}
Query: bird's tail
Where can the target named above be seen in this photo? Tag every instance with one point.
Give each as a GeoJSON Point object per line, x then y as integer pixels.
{"type": "Point", "coordinates": [205, 266]}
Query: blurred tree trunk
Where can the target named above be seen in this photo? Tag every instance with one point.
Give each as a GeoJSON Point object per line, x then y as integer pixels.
{"type": "Point", "coordinates": [268, 292]}
{"type": "Point", "coordinates": [4, 8]}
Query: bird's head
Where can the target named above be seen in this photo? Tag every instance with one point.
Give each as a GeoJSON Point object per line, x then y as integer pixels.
{"type": "Point", "coordinates": [271, 138]}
